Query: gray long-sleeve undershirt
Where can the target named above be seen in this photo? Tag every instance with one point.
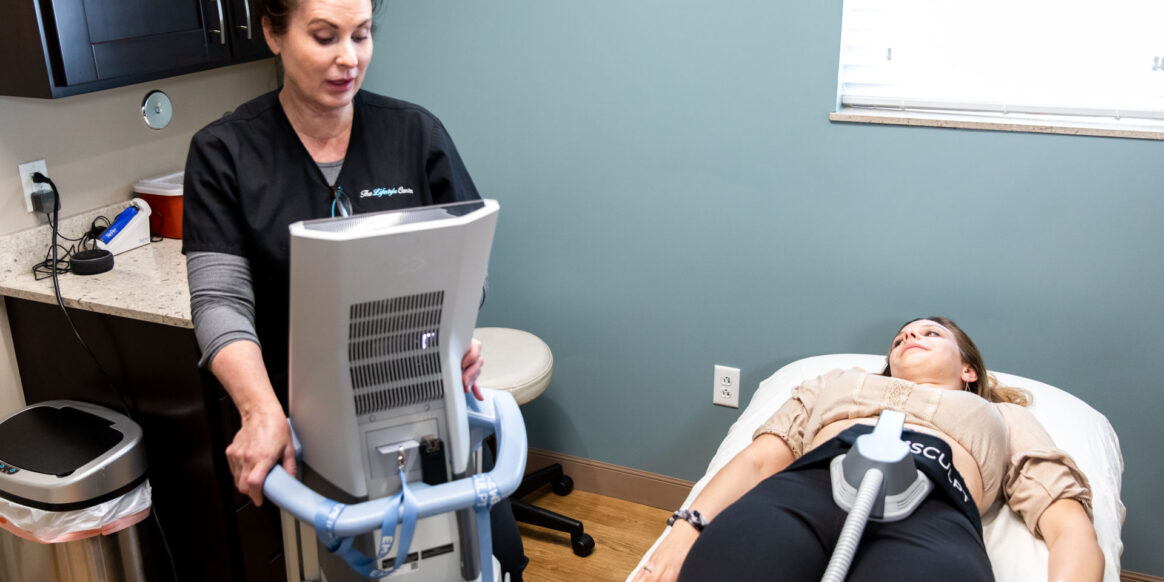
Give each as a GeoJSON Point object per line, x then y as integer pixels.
{"type": "Point", "coordinates": [222, 297]}
{"type": "Point", "coordinates": [222, 301]}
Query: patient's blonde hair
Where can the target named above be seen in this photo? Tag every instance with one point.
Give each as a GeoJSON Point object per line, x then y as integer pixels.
{"type": "Point", "coordinates": [986, 385]}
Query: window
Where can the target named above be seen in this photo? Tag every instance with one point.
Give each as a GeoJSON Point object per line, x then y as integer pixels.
{"type": "Point", "coordinates": [1074, 66]}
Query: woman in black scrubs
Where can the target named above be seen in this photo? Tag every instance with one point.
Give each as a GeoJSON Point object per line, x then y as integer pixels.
{"type": "Point", "coordinates": [319, 146]}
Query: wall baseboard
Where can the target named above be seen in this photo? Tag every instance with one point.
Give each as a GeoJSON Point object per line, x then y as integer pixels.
{"type": "Point", "coordinates": [1126, 576]}
{"type": "Point", "coordinates": [653, 489]}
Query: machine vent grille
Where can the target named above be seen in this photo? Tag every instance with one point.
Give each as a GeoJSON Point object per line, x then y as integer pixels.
{"type": "Point", "coordinates": [393, 352]}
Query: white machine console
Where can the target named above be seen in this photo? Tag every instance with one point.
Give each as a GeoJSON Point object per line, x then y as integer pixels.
{"type": "Point", "coordinates": [382, 310]}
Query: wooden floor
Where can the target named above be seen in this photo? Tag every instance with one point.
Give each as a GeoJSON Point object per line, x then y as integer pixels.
{"type": "Point", "coordinates": [622, 532]}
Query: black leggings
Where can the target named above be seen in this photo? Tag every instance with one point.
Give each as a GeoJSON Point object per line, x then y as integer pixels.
{"type": "Point", "coordinates": [786, 527]}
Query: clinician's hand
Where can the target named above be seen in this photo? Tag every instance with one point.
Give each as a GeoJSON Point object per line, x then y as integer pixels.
{"type": "Point", "coordinates": [471, 369]}
{"type": "Point", "coordinates": [263, 440]}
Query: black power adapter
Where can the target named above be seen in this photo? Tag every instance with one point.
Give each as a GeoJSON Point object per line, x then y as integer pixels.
{"type": "Point", "coordinates": [44, 202]}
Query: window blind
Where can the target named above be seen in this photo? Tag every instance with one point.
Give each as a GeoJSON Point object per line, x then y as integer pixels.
{"type": "Point", "coordinates": [1095, 58]}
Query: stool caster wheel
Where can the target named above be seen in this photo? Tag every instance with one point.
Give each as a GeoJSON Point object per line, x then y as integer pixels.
{"type": "Point", "coordinates": [563, 485]}
{"type": "Point", "coordinates": [583, 545]}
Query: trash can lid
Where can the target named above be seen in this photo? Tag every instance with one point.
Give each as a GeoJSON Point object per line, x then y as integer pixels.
{"type": "Point", "coordinates": [55, 441]}
{"type": "Point", "coordinates": [64, 455]}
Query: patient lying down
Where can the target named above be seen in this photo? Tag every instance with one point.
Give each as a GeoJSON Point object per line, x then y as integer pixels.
{"type": "Point", "coordinates": [770, 513]}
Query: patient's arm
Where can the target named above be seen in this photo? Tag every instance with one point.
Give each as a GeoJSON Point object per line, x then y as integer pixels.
{"type": "Point", "coordinates": [767, 455]}
{"type": "Point", "coordinates": [1070, 537]}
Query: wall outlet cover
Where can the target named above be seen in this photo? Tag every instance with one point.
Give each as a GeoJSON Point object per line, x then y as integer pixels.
{"type": "Point", "coordinates": [726, 387]}
{"type": "Point", "coordinates": [27, 169]}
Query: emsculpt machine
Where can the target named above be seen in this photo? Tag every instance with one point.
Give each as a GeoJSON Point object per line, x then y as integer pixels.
{"type": "Point", "coordinates": [383, 308]}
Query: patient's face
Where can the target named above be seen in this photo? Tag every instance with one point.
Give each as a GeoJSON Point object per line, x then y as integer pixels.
{"type": "Point", "coordinates": [927, 352]}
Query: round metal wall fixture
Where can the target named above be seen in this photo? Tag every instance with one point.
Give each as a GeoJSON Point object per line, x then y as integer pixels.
{"type": "Point", "coordinates": [157, 110]}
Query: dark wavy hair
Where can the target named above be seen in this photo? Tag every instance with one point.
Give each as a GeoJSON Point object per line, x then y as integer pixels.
{"type": "Point", "coordinates": [986, 385]}
{"type": "Point", "coordinates": [279, 12]}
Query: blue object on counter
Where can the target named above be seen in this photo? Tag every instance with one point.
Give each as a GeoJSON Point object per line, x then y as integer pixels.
{"type": "Point", "coordinates": [118, 223]}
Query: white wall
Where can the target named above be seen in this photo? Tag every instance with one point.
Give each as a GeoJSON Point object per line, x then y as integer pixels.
{"type": "Point", "coordinates": [96, 146]}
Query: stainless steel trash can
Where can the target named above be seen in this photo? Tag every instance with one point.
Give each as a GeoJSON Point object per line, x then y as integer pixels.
{"type": "Point", "coordinates": [59, 460]}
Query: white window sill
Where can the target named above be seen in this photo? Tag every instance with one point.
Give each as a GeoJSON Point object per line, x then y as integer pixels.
{"type": "Point", "coordinates": [1011, 122]}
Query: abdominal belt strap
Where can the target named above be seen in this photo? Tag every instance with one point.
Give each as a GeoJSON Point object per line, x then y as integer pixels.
{"type": "Point", "coordinates": [402, 511]}
{"type": "Point", "coordinates": [931, 454]}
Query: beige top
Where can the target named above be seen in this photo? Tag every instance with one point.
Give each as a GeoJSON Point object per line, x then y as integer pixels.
{"type": "Point", "coordinates": [1014, 454]}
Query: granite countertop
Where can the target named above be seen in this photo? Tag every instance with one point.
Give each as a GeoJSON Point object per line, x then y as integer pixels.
{"type": "Point", "coordinates": [147, 283]}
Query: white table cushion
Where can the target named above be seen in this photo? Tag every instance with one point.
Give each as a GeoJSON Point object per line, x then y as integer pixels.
{"type": "Point", "coordinates": [516, 361]}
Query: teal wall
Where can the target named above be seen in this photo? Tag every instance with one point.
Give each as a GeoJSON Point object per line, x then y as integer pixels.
{"type": "Point", "coordinates": [674, 196]}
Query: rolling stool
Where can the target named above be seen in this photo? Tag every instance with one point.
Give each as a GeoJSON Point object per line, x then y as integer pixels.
{"type": "Point", "coordinates": [520, 363]}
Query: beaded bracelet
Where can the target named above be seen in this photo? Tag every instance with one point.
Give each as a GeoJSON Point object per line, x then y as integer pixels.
{"type": "Point", "coordinates": [691, 516]}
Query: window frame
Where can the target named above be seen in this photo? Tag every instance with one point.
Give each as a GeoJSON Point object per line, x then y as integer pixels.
{"type": "Point", "coordinates": [863, 106]}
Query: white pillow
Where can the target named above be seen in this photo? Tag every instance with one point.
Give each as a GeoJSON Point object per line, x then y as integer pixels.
{"type": "Point", "coordinates": [1015, 554]}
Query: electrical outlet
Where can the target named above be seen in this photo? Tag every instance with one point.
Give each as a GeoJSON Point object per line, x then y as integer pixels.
{"type": "Point", "coordinates": [726, 387]}
{"type": "Point", "coordinates": [27, 169]}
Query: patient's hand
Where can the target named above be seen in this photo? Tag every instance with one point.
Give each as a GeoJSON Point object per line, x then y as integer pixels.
{"type": "Point", "coordinates": [667, 560]}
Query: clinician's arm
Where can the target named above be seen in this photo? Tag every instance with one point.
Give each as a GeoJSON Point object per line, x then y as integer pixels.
{"type": "Point", "coordinates": [767, 455]}
{"type": "Point", "coordinates": [265, 437]}
{"type": "Point", "coordinates": [222, 306]}
{"type": "Point", "coordinates": [1074, 551]}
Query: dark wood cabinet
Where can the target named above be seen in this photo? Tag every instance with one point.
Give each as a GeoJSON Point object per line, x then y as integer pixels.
{"type": "Point", "coordinates": [187, 420]}
{"type": "Point", "coordinates": [246, 32]}
{"type": "Point", "coordinates": [56, 48]}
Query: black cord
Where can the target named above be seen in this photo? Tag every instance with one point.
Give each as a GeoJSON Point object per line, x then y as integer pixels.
{"type": "Point", "coordinates": [165, 542]}
{"type": "Point", "coordinates": [87, 241]}
{"type": "Point", "coordinates": [49, 266]}
{"type": "Point", "coordinates": [90, 236]}
{"type": "Point", "coordinates": [54, 268]}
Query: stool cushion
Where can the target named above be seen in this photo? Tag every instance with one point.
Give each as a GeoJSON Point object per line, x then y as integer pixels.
{"type": "Point", "coordinates": [516, 361]}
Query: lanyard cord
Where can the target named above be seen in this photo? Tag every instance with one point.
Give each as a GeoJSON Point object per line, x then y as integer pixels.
{"type": "Point", "coordinates": [340, 199]}
{"type": "Point", "coordinates": [402, 512]}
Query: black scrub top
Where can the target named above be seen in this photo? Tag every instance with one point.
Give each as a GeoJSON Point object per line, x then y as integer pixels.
{"type": "Point", "coordinates": [249, 177]}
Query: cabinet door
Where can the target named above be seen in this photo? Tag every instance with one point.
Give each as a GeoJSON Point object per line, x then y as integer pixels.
{"type": "Point", "coordinates": [246, 30]}
{"type": "Point", "coordinates": [106, 39]}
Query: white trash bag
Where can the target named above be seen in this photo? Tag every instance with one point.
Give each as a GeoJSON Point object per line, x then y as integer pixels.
{"type": "Point", "coordinates": [55, 527]}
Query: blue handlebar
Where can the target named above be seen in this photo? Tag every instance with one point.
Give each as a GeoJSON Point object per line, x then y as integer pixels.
{"type": "Point", "coordinates": [478, 491]}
